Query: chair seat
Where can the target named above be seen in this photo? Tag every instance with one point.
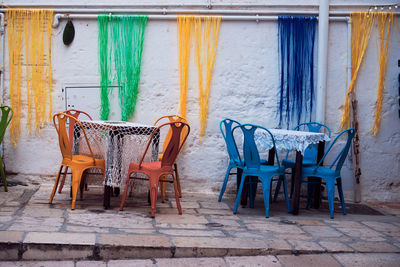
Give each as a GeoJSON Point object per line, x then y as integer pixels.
{"type": "Point", "coordinates": [265, 169]}
{"type": "Point", "coordinates": [291, 163]}
{"type": "Point", "coordinates": [84, 160]}
{"type": "Point", "coordinates": [150, 166]}
{"type": "Point", "coordinates": [322, 172]}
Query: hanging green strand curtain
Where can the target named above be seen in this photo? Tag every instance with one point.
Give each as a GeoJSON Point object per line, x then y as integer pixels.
{"type": "Point", "coordinates": [120, 49]}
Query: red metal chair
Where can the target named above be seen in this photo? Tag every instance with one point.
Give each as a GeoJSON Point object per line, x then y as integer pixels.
{"type": "Point", "coordinates": [170, 118]}
{"type": "Point", "coordinates": [74, 113]}
{"type": "Point", "coordinates": [156, 169]}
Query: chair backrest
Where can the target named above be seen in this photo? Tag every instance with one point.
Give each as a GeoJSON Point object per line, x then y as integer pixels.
{"type": "Point", "coordinates": [6, 116]}
{"type": "Point", "coordinates": [170, 118]}
{"type": "Point", "coordinates": [339, 160]}
{"type": "Point", "coordinates": [74, 113]}
{"type": "Point", "coordinates": [226, 126]}
{"type": "Point", "coordinates": [315, 127]}
{"type": "Point", "coordinates": [180, 131]}
{"type": "Point", "coordinates": [250, 151]}
{"type": "Point", "coordinates": [60, 123]}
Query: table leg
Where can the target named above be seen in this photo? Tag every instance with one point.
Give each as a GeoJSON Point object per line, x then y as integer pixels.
{"type": "Point", "coordinates": [297, 183]}
{"type": "Point", "coordinates": [317, 186]}
{"type": "Point", "coordinates": [107, 196]}
{"type": "Point", "coordinates": [271, 157]}
{"type": "Point", "coordinates": [243, 197]}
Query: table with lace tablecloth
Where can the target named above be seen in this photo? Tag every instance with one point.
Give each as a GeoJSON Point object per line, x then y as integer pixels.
{"type": "Point", "coordinates": [119, 143]}
{"type": "Point", "coordinates": [293, 140]}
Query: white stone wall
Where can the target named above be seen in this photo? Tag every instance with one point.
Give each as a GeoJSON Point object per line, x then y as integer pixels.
{"type": "Point", "coordinates": [244, 87]}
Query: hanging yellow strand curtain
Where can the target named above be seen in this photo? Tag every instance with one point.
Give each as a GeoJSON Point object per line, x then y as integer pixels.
{"type": "Point", "coordinates": [206, 31]}
{"type": "Point", "coordinates": [30, 28]}
{"type": "Point", "coordinates": [384, 21]}
{"type": "Point", "coordinates": [184, 25]}
{"type": "Point", "coordinates": [361, 24]}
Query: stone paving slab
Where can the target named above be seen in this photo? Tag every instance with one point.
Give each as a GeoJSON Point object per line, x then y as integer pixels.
{"type": "Point", "coordinates": [310, 260]}
{"type": "Point", "coordinates": [31, 229]}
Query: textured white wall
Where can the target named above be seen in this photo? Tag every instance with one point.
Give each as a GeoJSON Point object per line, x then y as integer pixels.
{"type": "Point", "coordinates": [244, 87]}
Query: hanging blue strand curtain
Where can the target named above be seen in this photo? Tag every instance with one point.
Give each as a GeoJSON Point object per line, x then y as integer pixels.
{"type": "Point", "coordinates": [296, 37]}
{"type": "Point", "coordinates": [120, 42]}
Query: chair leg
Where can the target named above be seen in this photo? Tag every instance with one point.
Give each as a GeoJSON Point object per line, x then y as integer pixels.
{"type": "Point", "coordinates": [3, 175]}
{"type": "Point", "coordinates": [121, 206]}
{"type": "Point", "coordinates": [131, 187]}
{"type": "Point", "coordinates": [239, 193]}
{"type": "Point", "coordinates": [283, 178]}
{"type": "Point", "coordinates": [253, 181]}
{"type": "Point", "coordinates": [63, 180]}
{"type": "Point", "coordinates": [330, 190]}
{"type": "Point", "coordinates": [163, 187]}
{"type": "Point", "coordinates": [178, 203]}
{"type": "Point", "coordinates": [153, 183]}
{"type": "Point", "coordinates": [340, 190]}
{"type": "Point", "coordinates": [277, 189]}
{"type": "Point", "coordinates": [225, 182]}
{"type": "Point", "coordinates": [83, 184]}
{"type": "Point", "coordinates": [178, 181]}
{"type": "Point", "coordinates": [266, 188]}
{"type": "Point", "coordinates": [76, 181]}
{"type": "Point", "coordinates": [55, 185]}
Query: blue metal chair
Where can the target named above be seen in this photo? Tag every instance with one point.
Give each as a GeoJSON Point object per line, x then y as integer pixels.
{"type": "Point", "coordinates": [234, 158]}
{"type": "Point", "coordinates": [6, 116]}
{"type": "Point", "coordinates": [310, 154]}
{"type": "Point", "coordinates": [253, 167]}
{"type": "Point", "coordinates": [330, 174]}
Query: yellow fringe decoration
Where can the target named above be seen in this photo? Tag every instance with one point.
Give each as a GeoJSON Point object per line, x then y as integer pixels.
{"type": "Point", "coordinates": [206, 31]}
{"type": "Point", "coordinates": [30, 28]}
{"type": "Point", "coordinates": [385, 21]}
{"type": "Point", "coordinates": [185, 25]}
{"type": "Point", "coordinates": [361, 24]}
{"type": "Point", "coordinates": [206, 40]}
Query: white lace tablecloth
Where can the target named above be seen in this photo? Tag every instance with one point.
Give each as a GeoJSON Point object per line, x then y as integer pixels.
{"type": "Point", "coordinates": [119, 143]}
{"type": "Point", "coordinates": [288, 139]}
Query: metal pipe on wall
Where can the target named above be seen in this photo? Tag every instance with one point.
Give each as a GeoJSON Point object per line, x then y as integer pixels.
{"type": "Point", "coordinates": [323, 37]}
{"type": "Point", "coordinates": [255, 18]}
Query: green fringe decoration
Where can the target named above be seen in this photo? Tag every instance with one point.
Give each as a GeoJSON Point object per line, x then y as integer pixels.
{"type": "Point", "coordinates": [120, 42]}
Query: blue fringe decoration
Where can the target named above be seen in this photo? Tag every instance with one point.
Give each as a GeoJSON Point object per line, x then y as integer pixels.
{"type": "Point", "coordinates": [296, 37]}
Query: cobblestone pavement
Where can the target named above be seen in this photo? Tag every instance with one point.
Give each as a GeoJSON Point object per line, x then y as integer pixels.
{"type": "Point", "coordinates": [207, 234]}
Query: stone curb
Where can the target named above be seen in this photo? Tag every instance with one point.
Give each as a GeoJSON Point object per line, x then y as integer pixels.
{"type": "Point", "coordinates": [11, 251]}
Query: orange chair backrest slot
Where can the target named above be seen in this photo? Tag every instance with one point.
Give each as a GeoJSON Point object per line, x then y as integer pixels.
{"type": "Point", "coordinates": [173, 144]}
{"type": "Point", "coordinates": [179, 132]}
{"type": "Point", "coordinates": [59, 121]}
{"type": "Point", "coordinates": [171, 118]}
{"type": "Point", "coordinates": [74, 113]}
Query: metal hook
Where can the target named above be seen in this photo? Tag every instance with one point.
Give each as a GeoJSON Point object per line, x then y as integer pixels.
{"type": "Point", "coordinates": [209, 5]}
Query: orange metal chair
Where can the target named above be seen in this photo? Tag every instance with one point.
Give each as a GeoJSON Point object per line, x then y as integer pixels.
{"type": "Point", "coordinates": [156, 169]}
{"type": "Point", "coordinates": [74, 113]}
{"type": "Point", "coordinates": [163, 184]}
{"type": "Point", "coordinates": [77, 163]}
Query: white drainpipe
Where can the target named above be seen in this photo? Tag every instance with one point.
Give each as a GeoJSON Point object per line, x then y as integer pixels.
{"type": "Point", "coordinates": [323, 29]}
